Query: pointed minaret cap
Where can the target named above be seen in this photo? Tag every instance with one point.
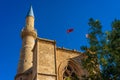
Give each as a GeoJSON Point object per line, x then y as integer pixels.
{"type": "Point", "coordinates": [30, 12]}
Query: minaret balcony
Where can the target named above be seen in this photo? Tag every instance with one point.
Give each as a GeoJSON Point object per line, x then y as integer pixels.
{"type": "Point", "coordinates": [26, 32]}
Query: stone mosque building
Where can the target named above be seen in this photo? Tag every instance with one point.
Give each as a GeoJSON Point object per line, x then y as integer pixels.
{"type": "Point", "coordinates": [41, 59]}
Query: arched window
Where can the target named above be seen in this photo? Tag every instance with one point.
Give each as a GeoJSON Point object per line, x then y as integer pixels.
{"type": "Point", "coordinates": [70, 73]}
{"type": "Point", "coordinates": [70, 70]}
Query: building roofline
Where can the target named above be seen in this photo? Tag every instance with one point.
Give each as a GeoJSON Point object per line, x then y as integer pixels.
{"type": "Point", "coordinates": [57, 47]}
{"type": "Point", "coordinates": [70, 50]}
{"type": "Point", "coordinates": [47, 40]}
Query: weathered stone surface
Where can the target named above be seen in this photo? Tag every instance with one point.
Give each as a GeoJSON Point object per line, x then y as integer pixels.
{"type": "Point", "coordinates": [43, 77]}
{"type": "Point", "coordinates": [46, 57]}
{"type": "Point", "coordinates": [49, 62]}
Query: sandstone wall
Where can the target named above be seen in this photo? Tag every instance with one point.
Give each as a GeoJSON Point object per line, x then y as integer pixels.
{"type": "Point", "coordinates": [45, 60]}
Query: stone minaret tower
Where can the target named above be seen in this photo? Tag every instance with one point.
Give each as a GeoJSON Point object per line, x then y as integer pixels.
{"type": "Point", "coordinates": [28, 36]}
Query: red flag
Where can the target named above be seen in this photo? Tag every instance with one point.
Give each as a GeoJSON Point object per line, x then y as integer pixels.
{"type": "Point", "coordinates": [70, 30]}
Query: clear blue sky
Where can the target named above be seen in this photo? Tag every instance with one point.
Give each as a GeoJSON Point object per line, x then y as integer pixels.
{"type": "Point", "coordinates": [52, 19]}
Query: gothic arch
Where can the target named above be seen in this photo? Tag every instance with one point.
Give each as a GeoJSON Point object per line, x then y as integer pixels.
{"type": "Point", "coordinates": [69, 68]}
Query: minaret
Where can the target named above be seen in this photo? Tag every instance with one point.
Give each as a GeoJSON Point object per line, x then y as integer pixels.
{"type": "Point", "coordinates": [28, 36]}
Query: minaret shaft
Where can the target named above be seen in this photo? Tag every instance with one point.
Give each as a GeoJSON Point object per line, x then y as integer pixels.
{"type": "Point", "coordinates": [28, 35]}
{"type": "Point", "coordinates": [26, 54]}
{"type": "Point", "coordinates": [30, 23]}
